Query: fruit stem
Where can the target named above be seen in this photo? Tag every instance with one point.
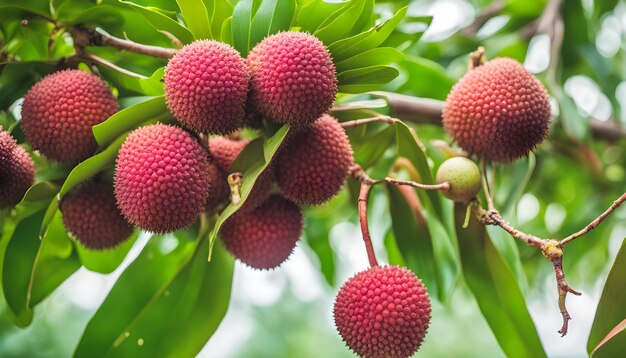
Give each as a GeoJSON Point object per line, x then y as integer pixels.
{"type": "Point", "coordinates": [96, 59]}
{"type": "Point", "coordinates": [361, 121]}
{"type": "Point", "coordinates": [477, 58]}
{"type": "Point", "coordinates": [441, 186]}
{"type": "Point", "coordinates": [487, 192]}
{"type": "Point", "coordinates": [363, 196]}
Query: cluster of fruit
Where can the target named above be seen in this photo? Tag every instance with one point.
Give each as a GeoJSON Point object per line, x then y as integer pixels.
{"type": "Point", "coordinates": [166, 176]}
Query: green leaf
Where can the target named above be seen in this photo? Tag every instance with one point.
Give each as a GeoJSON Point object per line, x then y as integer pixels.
{"type": "Point", "coordinates": [426, 78]}
{"type": "Point", "coordinates": [35, 6]}
{"type": "Point", "coordinates": [342, 25]}
{"type": "Point", "coordinates": [219, 11]}
{"type": "Point", "coordinates": [496, 290]}
{"type": "Point", "coordinates": [311, 16]}
{"type": "Point", "coordinates": [273, 16]}
{"type": "Point", "coordinates": [368, 150]}
{"type": "Point", "coordinates": [196, 17]}
{"type": "Point", "coordinates": [162, 23]}
{"type": "Point", "coordinates": [375, 56]}
{"type": "Point", "coordinates": [151, 86]}
{"type": "Point", "coordinates": [613, 344]}
{"type": "Point", "coordinates": [447, 265]}
{"type": "Point", "coordinates": [364, 79]}
{"type": "Point", "coordinates": [364, 41]}
{"type": "Point", "coordinates": [105, 261]}
{"type": "Point", "coordinates": [252, 161]}
{"type": "Point", "coordinates": [611, 310]}
{"type": "Point", "coordinates": [33, 268]}
{"type": "Point", "coordinates": [241, 23]}
{"type": "Point", "coordinates": [412, 239]}
{"type": "Point", "coordinates": [44, 190]}
{"type": "Point", "coordinates": [130, 118]}
{"type": "Point", "coordinates": [179, 304]}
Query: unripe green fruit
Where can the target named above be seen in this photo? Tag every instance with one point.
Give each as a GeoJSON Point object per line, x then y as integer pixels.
{"type": "Point", "coordinates": [463, 176]}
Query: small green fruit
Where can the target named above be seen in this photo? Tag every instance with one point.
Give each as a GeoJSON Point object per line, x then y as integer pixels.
{"type": "Point", "coordinates": [463, 176]}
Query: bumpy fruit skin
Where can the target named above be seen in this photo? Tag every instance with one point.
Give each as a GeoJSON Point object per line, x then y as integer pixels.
{"type": "Point", "coordinates": [90, 214]}
{"type": "Point", "coordinates": [498, 111]}
{"type": "Point", "coordinates": [314, 162]}
{"type": "Point", "coordinates": [264, 237]}
{"type": "Point", "coordinates": [463, 176]}
{"type": "Point", "coordinates": [17, 171]}
{"type": "Point", "coordinates": [219, 190]}
{"type": "Point", "coordinates": [383, 312]}
{"type": "Point", "coordinates": [59, 111]}
{"type": "Point", "coordinates": [206, 86]}
{"type": "Point", "coordinates": [161, 178]}
{"type": "Point", "coordinates": [293, 78]}
{"type": "Point", "coordinates": [223, 151]}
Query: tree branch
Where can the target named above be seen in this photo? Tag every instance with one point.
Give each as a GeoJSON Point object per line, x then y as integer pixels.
{"type": "Point", "coordinates": [96, 59]}
{"type": "Point", "coordinates": [361, 121]}
{"type": "Point", "coordinates": [592, 225]}
{"type": "Point", "coordinates": [441, 186]}
{"type": "Point", "coordinates": [84, 37]}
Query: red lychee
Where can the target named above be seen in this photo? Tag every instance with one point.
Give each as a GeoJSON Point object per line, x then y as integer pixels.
{"type": "Point", "coordinates": [383, 312]}
{"type": "Point", "coordinates": [59, 111]}
{"type": "Point", "coordinates": [89, 213]}
{"type": "Point", "coordinates": [206, 86]}
{"type": "Point", "coordinates": [264, 238]}
{"type": "Point", "coordinates": [17, 171]}
{"type": "Point", "coordinates": [161, 178]}
{"type": "Point", "coordinates": [498, 111]}
{"type": "Point", "coordinates": [292, 78]}
{"type": "Point", "coordinates": [314, 162]}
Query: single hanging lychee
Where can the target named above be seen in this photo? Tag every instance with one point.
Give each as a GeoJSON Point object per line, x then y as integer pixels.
{"type": "Point", "coordinates": [292, 78]}
{"type": "Point", "coordinates": [90, 214]}
{"type": "Point", "coordinates": [264, 238]}
{"type": "Point", "coordinates": [498, 111]}
{"type": "Point", "coordinates": [383, 312]}
{"type": "Point", "coordinates": [206, 86]}
{"type": "Point", "coordinates": [161, 178]}
{"type": "Point", "coordinates": [463, 176]}
{"type": "Point", "coordinates": [59, 111]}
{"type": "Point", "coordinates": [314, 162]}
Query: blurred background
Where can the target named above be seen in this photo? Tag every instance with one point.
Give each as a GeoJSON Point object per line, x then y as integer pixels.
{"type": "Point", "coordinates": [288, 312]}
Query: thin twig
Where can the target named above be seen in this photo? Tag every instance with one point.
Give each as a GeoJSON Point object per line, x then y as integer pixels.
{"type": "Point", "coordinates": [486, 189]}
{"type": "Point", "coordinates": [592, 225]}
{"type": "Point", "coordinates": [361, 121]}
{"type": "Point", "coordinates": [440, 186]}
{"type": "Point", "coordinates": [89, 37]}
{"type": "Point", "coordinates": [113, 66]}
{"type": "Point", "coordinates": [493, 217]}
{"type": "Point", "coordinates": [363, 196]}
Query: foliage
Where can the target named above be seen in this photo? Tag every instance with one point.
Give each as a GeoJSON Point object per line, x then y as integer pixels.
{"type": "Point", "coordinates": [170, 299]}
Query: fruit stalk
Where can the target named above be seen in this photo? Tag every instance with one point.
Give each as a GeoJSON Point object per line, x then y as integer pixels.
{"type": "Point", "coordinates": [84, 36]}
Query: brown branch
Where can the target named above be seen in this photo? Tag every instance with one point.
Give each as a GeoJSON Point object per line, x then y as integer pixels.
{"type": "Point", "coordinates": [592, 225]}
{"type": "Point", "coordinates": [84, 37]}
{"type": "Point", "coordinates": [428, 111]}
{"type": "Point", "coordinates": [493, 217]}
{"type": "Point", "coordinates": [96, 59]}
{"type": "Point", "coordinates": [366, 185]}
{"type": "Point", "coordinates": [361, 121]}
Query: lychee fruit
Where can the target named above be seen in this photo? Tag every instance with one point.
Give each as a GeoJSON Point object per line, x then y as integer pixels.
{"type": "Point", "coordinates": [264, 238]}
{"type": "Point", "coordinates": [206, 86]}
{"type": "Point", "coordinates": [59, 111]}
{"type": "Point", "coordinates": [223, 152]}
{"type": "Point", "coordinates": [463, 176]}
{"type": "Point", "coordinates": [161, 178]}
{"type": "Point", "coordinates": [293, 78]}
{"type": "Point", "coordinates": [383, 312]}
{"type": "Point", "coordinates": [90, 214]}
{"type": "Point", "coordinates": [17, 171]}
{"type": "Point", "coordinates": [498, 111]}
{"type": "Point", "coordinates": [314, 162]}
{"type": "Point", "coordinates": [219, 190]}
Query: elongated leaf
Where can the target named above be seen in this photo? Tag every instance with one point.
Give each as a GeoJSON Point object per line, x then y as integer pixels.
{"type": "Point", "coordinates": [613, 344]}
{"type": "Point", "coordinates": [271, 17]}
{"type": "Point", "coordinates": [315, 14]}
{"type": "Point", "coordinates": [496, 290]}
{"type": "Point", "coordinates": [252, 161]}
{"type": "Point", "coordinates": [241, 23]}
{"type": "Point", "coordinates": [162, 22]}
{"type": "Point", "coordinates": [373, 57]}
{"type": "Point", "coordinates": [447, 265]}
{"type": "Point", "coordinates": [369, 149]}
{"type": "Point", "coordinates": [219, 11]}
{"type": "Point", "coordinates": [611, 310]}
{"type": "Point", "coordinates": [174, 311]}
{"type": "Point", "coordinates": [365, 79]}
{"type": "Point", "coordinates": [129, 118]}
{"type": "Point", "coordinates": [151, 86]}
{"type": "Point", "coordinates": [412, 239]}
{"type": "Point", "coordinates": [196, 17]}
{"type": "Point", "coordinates": [342, 25]}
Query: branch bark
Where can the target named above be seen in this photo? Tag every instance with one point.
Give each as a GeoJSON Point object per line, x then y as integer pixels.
{"type": "Point", "coordinates": [84, 36]}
